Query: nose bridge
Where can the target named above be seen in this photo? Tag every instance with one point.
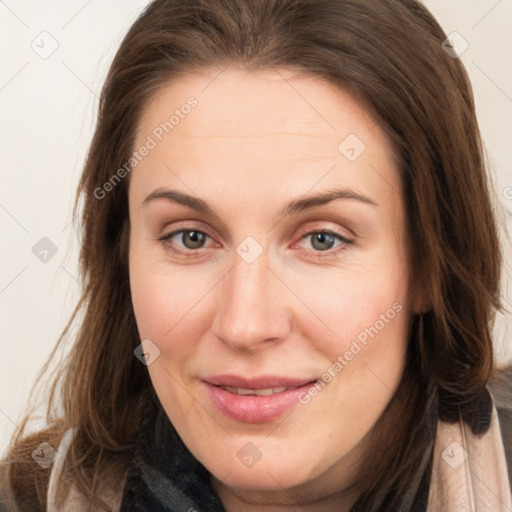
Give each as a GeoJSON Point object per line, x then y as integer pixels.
{"type": "Point", "coordinates": [249, 311]}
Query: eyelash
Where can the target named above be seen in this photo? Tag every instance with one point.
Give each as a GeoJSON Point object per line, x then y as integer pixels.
{"type": "Point", "coordinates": [191, 253]}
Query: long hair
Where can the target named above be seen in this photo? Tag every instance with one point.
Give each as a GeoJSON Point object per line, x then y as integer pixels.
{"type": "Point", "coordinates": [388, 55]}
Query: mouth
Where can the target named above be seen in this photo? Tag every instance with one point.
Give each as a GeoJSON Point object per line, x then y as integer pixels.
{"type": "Point", "coordinates": [257, 392]}
{"type": "Point", "coordinates": [256, 400]}
{"type": "Point", "coordinates": [263, 382]}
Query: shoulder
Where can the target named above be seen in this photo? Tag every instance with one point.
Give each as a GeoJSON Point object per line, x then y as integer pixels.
{"type": "Point", "coordinates": [25, 469]}
{"type": "Point", "coordinates": [69, 498]}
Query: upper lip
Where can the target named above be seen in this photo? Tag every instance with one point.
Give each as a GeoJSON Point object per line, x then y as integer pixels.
{"type": "Point", "coordinates": [261, 382]}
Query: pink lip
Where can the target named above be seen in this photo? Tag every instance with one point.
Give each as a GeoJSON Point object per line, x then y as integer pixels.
{"type": "Point", "coordinates": [254, 408]}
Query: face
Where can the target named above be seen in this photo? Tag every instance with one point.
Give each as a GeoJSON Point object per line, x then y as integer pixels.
{"type": "Point", "coordinates": [269, 274]}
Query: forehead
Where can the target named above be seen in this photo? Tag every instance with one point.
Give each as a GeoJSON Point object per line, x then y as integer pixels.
{"type": "Point", "coordinates": [257, 103]}
{"type": "Point", "coordinates": [259, 126]}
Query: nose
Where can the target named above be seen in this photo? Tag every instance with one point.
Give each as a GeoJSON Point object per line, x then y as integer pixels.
{"type": "Point", "coordinates": [252, 306]}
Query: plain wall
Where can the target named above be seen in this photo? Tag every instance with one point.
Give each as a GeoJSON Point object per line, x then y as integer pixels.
{"type": "Point", "coordinates": [48, 105]}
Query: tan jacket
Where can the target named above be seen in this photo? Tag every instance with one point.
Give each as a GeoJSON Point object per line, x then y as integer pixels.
{"type": "Point", "coordinates": [469, 474]}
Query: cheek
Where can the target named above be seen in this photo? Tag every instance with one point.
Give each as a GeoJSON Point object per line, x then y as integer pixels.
{"type": "Point", "coordinates": [152, 302]}
{"type": "Point", "coordinates": [168, 305]}
{"type": "Point", "coordinates": [359, 306]}
{"type": "Point", "coordinates": [363, 335]}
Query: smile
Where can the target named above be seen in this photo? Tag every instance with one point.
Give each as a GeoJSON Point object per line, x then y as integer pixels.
{"type": "Point", "coordinates": [255, 404]}
{"type": "Point", "coordinates": [258, 392]}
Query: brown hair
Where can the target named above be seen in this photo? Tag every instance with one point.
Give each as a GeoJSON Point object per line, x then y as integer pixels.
{"type": "Point", "coordinates": [388, 55]}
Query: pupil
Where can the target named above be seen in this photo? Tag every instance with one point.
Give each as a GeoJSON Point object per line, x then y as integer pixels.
{"type": "Point", "coordinates": [323, 238]}
{"type": "Point", "coordinates": [195, 237]}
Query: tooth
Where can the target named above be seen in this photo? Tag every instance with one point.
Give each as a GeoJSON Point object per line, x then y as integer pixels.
{"type": "Point", "coordinates": [242, 391]}
{"type": "Point", "coordinates": [259, 392]}
{"type": "Point", "coordinates": [263, 392]}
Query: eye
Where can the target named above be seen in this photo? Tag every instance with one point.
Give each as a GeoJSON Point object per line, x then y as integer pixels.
{"type": "Point", "coordinates": [191, 240]}
{"type": "Point", "coordinates": [324, 240]}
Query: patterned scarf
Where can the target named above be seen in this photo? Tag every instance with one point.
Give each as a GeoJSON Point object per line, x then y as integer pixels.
{"type": "Point", "coordinates": [165, 477]}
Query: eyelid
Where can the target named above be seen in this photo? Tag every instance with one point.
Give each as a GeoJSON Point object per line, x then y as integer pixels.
{"type": "Point", "coordinates": [187, 226]}
{"type": "Point", "coordinates": [303, 232]}
{"type": "Point", "coordinates": [175, 232]}
{"type": "Point", "coordinates": [347, 235]}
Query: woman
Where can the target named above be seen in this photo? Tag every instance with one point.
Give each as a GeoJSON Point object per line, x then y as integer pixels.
{"type": "Point", "coordinates": [291, 270]}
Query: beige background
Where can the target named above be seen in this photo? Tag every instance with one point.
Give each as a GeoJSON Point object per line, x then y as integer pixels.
{"type": "Point", "coordinates": [48, 107]}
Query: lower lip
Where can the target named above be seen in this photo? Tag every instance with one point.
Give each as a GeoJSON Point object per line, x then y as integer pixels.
{"type": "Point", "coordinates": [254, 408]}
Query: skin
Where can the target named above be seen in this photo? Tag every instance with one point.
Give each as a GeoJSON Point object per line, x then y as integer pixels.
{"type": "Point", "coordinates": [255, 142]}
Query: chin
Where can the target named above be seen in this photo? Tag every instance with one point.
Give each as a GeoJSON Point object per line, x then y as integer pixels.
{"type": "Point", "coordinates": [271, 478]}
{"type": "Point", "coordinates": [263, 475]}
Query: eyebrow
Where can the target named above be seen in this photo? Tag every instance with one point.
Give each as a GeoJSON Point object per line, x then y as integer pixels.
{"type": "Point", "coordinates": [294, 207]}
